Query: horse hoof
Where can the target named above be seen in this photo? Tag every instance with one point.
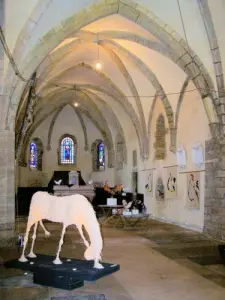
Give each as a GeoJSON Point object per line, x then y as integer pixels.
{"type": "Point", "coordinates": [47, 234]}
{"type": "Point", "coordinates": [22, 259]}
{"type": "Point", "coordinates": [32, 255]}
{"type": "Point", "coordinates": [98, 266]}
{"type": "Point", "coordinates": [57, 261]}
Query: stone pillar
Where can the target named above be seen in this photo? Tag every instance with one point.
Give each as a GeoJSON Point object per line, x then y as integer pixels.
{"type": "Point", "coordinates": [214, 213]}
{"type": "Point", "coordinates": [7, 179]}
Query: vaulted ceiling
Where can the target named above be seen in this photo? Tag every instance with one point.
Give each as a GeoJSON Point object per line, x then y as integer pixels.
{"type": "Point", "coordinates": [137, 67]}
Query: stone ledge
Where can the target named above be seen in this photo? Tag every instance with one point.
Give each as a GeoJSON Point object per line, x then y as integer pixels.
{"type": "Point", "coordinates": [7, 226]}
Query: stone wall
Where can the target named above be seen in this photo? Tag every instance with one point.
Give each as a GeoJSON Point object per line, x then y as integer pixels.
{"type": "Point", "coordinates": [214, 216]}
{"type": "Point", "coordinates": [7, 177]}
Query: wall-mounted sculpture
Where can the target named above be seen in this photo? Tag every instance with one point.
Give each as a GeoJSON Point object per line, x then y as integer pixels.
{"type": "Point", "coordinates": [198, 155]}
{"type": "Point", "coordinates": [181, 157]}
{"type": "Point", "coordinates": [73, 209]}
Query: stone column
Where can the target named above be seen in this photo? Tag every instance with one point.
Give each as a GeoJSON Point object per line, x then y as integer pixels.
{"type": "Point", "coordinates": [214, 214]}
{"type": "Point", "coordinates": [7, 179]}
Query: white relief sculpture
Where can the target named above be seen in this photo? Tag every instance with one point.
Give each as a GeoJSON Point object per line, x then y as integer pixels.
{"type": "Point", "coordinates": [72, 209]}
{"type": "Point", "coordinates": [58, 182]}
{"type": "Point", "coordinates": [181, 157]}
{"type": "Point", "coordinates": [197, 155]}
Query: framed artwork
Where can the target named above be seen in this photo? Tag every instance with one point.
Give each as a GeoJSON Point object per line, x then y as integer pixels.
{"type": "Point", "coordinates": [193, 190]}
{"type": "Point", "coordinates": [149, 183]}
{"type": "Point", "coordinates": [160, 190]}
{"type": "Point", "coordinates": [171, 182]}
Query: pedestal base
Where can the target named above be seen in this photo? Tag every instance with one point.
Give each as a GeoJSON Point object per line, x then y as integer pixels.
{"type": "Point", "coordinates": [69, 275]}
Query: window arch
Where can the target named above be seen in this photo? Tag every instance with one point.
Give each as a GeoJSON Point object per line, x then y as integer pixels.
{"type": "Point", "coordinates": [67, 150]}
{"type": "Point", "coordinates": [101, 156]}
{"type": "Point", "coordinates": [98, 155]}
{"type": "Point", "coordinates": [35, 154]}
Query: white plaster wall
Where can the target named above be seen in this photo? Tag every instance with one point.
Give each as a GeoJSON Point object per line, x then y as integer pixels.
{"type": "Point", "coordinates": [67, 122]}
{"type": "Point", "coordinates": [192, 127]}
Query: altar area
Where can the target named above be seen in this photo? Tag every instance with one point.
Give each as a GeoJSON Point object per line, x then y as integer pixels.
{"type": "Point", "coordinates": [69, 183]}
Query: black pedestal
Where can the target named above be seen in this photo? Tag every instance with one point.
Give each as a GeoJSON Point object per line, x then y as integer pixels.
{"type": "Point", "coordinates": [222, 252]}
{"type": "Point", "coordinates": [54, 279]}
{"type": "Point", "coordinates": [69, 275]}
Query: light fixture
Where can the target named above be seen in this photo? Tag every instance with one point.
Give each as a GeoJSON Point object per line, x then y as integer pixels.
{"type": "Point", "coordinates": [76, 104]}
{"type": "Point", "coordinates": [98, 64]}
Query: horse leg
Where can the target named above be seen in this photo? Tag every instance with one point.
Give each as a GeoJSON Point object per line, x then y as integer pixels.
{"type": "Point", "coordinates": [31, 254]}
{"type": "Point", "coordinates": [57, 260]}
{"type": "Point", "coordinates": [79, 227]}
{"type": "Point", "coordinates": [97, 264]}
{"type": "Point", "coordinates": [47, 233]}
{"type": "Point", "coordinates": [29, 224]}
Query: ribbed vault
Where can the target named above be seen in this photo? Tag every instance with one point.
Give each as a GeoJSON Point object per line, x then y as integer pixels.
{"type": "Point", "coordinates": [128, 84]}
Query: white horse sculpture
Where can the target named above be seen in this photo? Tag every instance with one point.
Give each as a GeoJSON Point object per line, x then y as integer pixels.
{"type": "Point", "coordinates": [73, 209]}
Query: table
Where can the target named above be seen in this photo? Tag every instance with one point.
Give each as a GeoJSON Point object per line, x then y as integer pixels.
{"type": "Point", "coordinates": [125, 220]}
{"type": "Point", "coordinates": [107, 211]}
{"type": "Point", "coordinates": [137, 218]}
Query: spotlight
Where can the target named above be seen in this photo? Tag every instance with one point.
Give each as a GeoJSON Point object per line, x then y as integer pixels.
{"type": "Point", "coordinates": [98, 65]}
{"type": "Point", "coordinates": [76, 104]}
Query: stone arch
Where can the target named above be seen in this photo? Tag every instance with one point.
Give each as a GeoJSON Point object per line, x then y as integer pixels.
{"type": "Point", "coordinates": [53, 123]}
{"type": "Point", "coordinates": [157, 46]}
{"type": "Point", "coordinates": [143, 17]}
{"type": "Point", "coordinates": [52, 126]}
{"type": "Point", "coordinates": [68, 96]}
{"type": "Point", "coordinates": [160, 138]}
{"type": "Point", "coordinates": [172, 130]}
{"type": "Point", "coordinates": [118, 96]}
{"type": "Point", "coordinates": [215, 51]}
{"type": "Point", "coordinates": [120, 129]}
{"type": "Point", "coordinates": [40, 151]}
{"type": "Point", "coordinates": [73, 138]}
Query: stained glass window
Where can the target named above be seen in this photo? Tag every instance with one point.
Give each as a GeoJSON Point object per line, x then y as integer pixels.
{"type": "Point", "coordinates": [33, 155]}
{"type": "Point", "coordinates": [101, 156]}
{"type": "Point", "coordinates": [67, 151]}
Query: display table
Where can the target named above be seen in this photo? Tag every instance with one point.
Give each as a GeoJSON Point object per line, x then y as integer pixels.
{"type": "Point", "coordinates": [107, 211]}
{"type": "Point", "coordinates": [133, 220]}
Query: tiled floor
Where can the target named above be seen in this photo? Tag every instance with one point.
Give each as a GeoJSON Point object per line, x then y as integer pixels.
{"type": "Point", "coordinates": [163, 262]}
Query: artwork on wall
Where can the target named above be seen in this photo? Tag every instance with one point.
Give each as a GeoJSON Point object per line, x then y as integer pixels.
{"type": "Point", "coordinates": [193, 190]}
{"type": "Point", "coordinates": [149, 183]}
{"type": "Point", "coordinates": [160, 190]}
{"type": "Point", "coordinates": [171, 182]}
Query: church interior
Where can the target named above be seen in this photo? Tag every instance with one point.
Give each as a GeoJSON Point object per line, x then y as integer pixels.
{"type": "Point", "coordinates": [125, 100]}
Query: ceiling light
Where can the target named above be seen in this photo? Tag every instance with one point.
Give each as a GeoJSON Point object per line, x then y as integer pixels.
{"type": "Point", "coordinates": [98, 65]}
{"type": "Point", "coordinates": [76, 104]}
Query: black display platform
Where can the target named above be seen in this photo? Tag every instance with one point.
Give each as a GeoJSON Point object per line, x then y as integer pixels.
{"type": "Point", "coordinates": [222, 251]}
{"type": "Point", "coordinates": [69, 275]}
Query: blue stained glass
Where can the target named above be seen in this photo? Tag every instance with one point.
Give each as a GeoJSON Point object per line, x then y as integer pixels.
{"type": "Point", "coordinates": [67, 151]}
{"type": "Point", "coordinates": [101, 156]}
{"type": "Point", "coordinates": [33, 155]}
